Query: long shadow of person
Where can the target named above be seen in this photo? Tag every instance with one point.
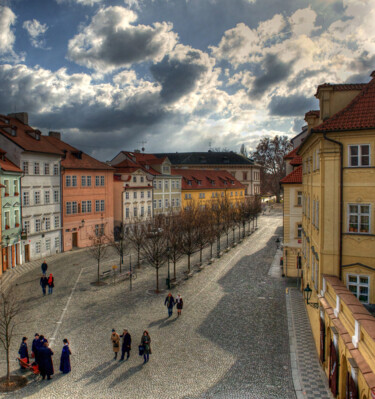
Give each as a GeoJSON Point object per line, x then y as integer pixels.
{"type": "Point", "coordinates": [156, 322]}
{"type": "Point", "coordinates": [95, 370]}
{"type": "Point", "coordinates": [129, 373]}
{"type": "Point", "coordinates": [167, 322]}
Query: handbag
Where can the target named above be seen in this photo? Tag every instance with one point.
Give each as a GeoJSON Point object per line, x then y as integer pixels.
{"type": "Point", "coordinates": [141, 350]}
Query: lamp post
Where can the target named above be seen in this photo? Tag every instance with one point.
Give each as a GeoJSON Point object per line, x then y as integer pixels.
{"type": "Point", "coordinates": [121, 246]}
{"type": "Point", "coordinates": [307, 294]}
{"type": "Point", "coordinates": [169, 274]}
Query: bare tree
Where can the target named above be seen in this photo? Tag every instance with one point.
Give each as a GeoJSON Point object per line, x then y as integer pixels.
{"type": "Point", "coordinates": [216, 220]}
{"type": "Point", "coordinates": [136, 235]}
{"type": "Point", "coordinates": [154, 246]}
{"type": "Point", "coordinates": [121, 244]}
{"type": "Point", "coordinates": [9, 311]}
{"type": "Point", "coordinates": [174, 236]}
{"type": "Point", "coordinates": [188, 220]}
{"type": "Point", "coordinates": [99, 246]}
{"type": "Point", "coordinates": [202, 230]}
{"type": "Point", "coordinates": [211, 229]}
{"type": "Point", "coordinates": [226, 218]}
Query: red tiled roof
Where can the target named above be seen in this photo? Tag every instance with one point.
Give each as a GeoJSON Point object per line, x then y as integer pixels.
{"type": "Point", "coordinates": [23, 136]}
{"type": "Point", "coordinates": [341, 86]}
{"type": "Point", "coordinates": [313, 113]}
{"type": "Point", "coordinates": [296, 161]}
{"type": "Point", "coordinates": [130, 166]}
{"type": "Point", "coordinates": [291, 154]}
{"type": "Point", "coordinates": [294, 177]}
{"type": "Point", "coordinates": [358, 114]}
{"type": "Point", "coordinates": [202, 179]}
{"type": "Point", "coordinates": [7, 165]}
{"type": "Point", "coordinates": [74, 158]}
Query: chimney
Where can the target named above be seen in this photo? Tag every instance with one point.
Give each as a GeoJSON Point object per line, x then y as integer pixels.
{"type": "Point", "coordinates": [21, 116]}
{"type": "Point", "coordinates": [56, 135]}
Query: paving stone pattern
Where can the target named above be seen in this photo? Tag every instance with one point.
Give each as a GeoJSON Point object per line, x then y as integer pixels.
{"type": "Point", "coordinates": [230, 342]}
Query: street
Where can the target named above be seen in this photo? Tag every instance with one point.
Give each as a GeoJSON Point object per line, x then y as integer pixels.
{"type": "Point", "coordinates": [230, 342]}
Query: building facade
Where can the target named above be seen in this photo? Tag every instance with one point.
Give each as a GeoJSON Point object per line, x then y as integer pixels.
{"type": "Point", "coordinates": [243, 169]}
{"type": "Point", "coordinates": [40, 161]}
{"type": "Point", "coordinates": [10, 180]}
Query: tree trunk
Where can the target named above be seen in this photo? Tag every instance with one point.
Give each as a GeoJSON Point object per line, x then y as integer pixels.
{"type": "Point", "coordinates": [234, 238]}
{"type": "Point", "coordinates": [189, 263]}
{"type": "Point", "coordinates": [157, 279]}
{"type": "Point", "coordinates": [139, 257]}
{"type": "Point", "coordinates": [200, 255]}
{"type": "Point", "coordinates": [211, 244]}
{"type": "Point", "coordinates": [174, 269]}
{"type": "Point", "coordinates": [227, 233]}
{"type": "Point", "coordinates": [8, 366]}
{"type": "Point", "coordinates": [98, 271]}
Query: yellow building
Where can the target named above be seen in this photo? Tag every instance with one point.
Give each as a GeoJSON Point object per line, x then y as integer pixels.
{"type": "Point", "coordinates": [338, 233]}
{"type": "Point", "coordinates": [204, 186]}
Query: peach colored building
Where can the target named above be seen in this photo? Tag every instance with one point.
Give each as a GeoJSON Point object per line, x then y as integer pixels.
{"type": "Point", "coordinates": [87, 196]}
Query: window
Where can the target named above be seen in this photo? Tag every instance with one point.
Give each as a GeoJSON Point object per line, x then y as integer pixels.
{"type": "Point", "coordinates": [308, 207]}
{"type": "Point", "coordinates": [38, 225]}
{"type": "Point", "coordinates": [26, 198]}
{"type": "Point", "coordinates": [177, 184]}
{"type": "Point", "coordinates": [142, 210]}
{"type": "Point", "coordinates": [317, 159]}
{"type": "Point", "coordinates": [68, 181]}
{"type": "Point", "coordinates": [56, 169]}
{"type": "Point", "coordinates": [359, 218]}
{"type": "Point", "coordinates": [231, 193]}
{"type": "Point", "coordinates": [102, 180]}
{"type": "Point", "coordinates": [47, 222]}
{"type": "Point", "coordinates": [154, 204]}
{"type": "Point", "coordinates": [127, 195]}
{"type": "Point", "coordinates": [148, 194]}
{"type": "Point", "coordinates": [159, 203]}
{"type": "Point", "coordinates": [25, 167]}
{"type": "Point", "coordinates": [166, 203]}
{"type": "Point", "coordinates": [46, 168]}
{"type": "Point", "coordinates": [135, 195]}
{"type": "Point", "coordinates": [88, 178]}
{"type": "Point", "coordinates": [48, 244]}
{"type": "Point", "coordinates": [317, 215]}
{"type": "Point", "coordinates": [172, 183]}
{"type": "Point", "coordinates": [74, 181]}
{"type": "Point", "coordinates": [17, 217]}
{"type": "Point", "coordinates": [166, 184]}
{"type": "Point", "coordinates": [84, 206]}
{"type": "Point", "coordinates": [6, 184]}
{"type": "Point", "coordinates": [313, 213]}
{"type": "Point", "coordinates": [149, 210]}
{"type": "Point", "coordinates": [7, 220]}
{"type": "Point", "coordinates": [37, 247]}
{"type": "Point", "coordinates": [299, 230]}
{"type": "Point", "coordinates": [154, 183]}
{"type": "Point", "coordinates": [134, 179]}
{"type": "Point", "coordinates": [57, 243]}
{"type": "Point", "coordinates": [74, 207]}
{"type": "Point", "coordinates": [15, 187]}
{"type": "Point", "coordinates": [68, 208]}
{"type": "Point", "coordinates": [173, 202]}
{"type": "Point", "coordinates": [159, 185]}
{"type": "Point", "coordinates": [142, 194]}
{"type": "Point", "coordinates": [57, 222]}
{"type": "Point", "coordinates": [36, 197]}
{"type": "Point", "coordinates": [177, 202]}
{"type": "Point", "coordinates": [202, 195]}
{"type": "Point", "coordinates": [102, 205]}
{"type": "Point", "coordinates": [36, 168]}
{"type": "Point", "coordinates": [97, 206]}
{"type": "Point", "coordinates": [127, 212]}
{"type": "Point", "coordinates": [46, 197]}
{"type": "Point", "coordinates": [56, 197]}
{"type": "Point", "coordinates": [299, 198]}
{"type": "Point", "coordinates": [83, 181]}
{"type": "Point", "coordinates": [236, 194]}
{"type": "Point", "coordinates": [165, 169]}
{"type": "Point", "coordinates": [244, 175]}
{"type": "Point", "coordinates": [359, 155]}
{"type": "Point", "coordinates": [186, 196]}
{"type": "Point", "coordinates": [142, 179]}
{"type": "Point", "coordinates": [97, 180]}
{"type": "Point", "coordinates": [359, 286]}
{"type": "Point", "coordinates": [26, 226]}
{"type": "Point", "coordinates": [135, 210]}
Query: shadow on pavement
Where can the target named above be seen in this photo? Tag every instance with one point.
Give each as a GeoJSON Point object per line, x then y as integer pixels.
{"type": "Point", "coordinates": [128, 373]}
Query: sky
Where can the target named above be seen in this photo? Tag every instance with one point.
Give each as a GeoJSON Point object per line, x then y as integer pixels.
{"type": "Point", "coordinates": [177, 75]}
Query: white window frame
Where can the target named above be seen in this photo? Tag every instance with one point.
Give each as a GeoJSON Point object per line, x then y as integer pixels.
{"type": "Point", "coordinates": [359, 214]}
{"type": "Point", "coordinates": [358, 284]}
{"type": "Point", "coordinates": [359, 147]}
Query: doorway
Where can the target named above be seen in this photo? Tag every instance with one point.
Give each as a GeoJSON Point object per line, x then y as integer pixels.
{"type": "Point", "coordinates": [75, 239]}
{"type": "Point", "coordinates": [27, 253]}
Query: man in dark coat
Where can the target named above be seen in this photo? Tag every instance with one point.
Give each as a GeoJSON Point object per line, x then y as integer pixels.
{"type": "Point", "coordinates": [44, 267]}
{"type": "Point", "coordinates": [24, 351]}
{"type": "Point", "coordinates": [39, 343]}
{"type": "Point", "coordinates": [65, 357]}
{"type": "Point", "coordinates": [44, 283]}
{"type": "Point", "coordinates": [169, 303]}
{"type": "Point", "coordinates": [34, 345]}
{"type": "Point", "coordinates": [126, 344]}
{"type": "Point", "coordinates": [45, 361]}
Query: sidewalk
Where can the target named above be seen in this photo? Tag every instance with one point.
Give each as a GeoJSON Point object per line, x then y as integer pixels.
{"type": "Point", "coordinates": [309, 379]}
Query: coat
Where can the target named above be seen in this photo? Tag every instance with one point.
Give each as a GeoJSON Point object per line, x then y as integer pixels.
{"type": "Point", "coordinates": [115, 338]}
{"type": "Point", "coordinates": [38, 345]}
{"type": "Point", "coordinates": [52, 283]}
{"type": "Point", "coordinates": [44, 281]}
{"type": "Point", "coordinates": [146, 342]}
{"type": "Point", "coordinates": [45, 361]}
{"type": "Point", "coordinates": [169, 301]}
{"type": "Point", "coordinates": [65, 359]}
{"type": "Point", "coordinates": [34, 346]}
{"type": "Point", "coordinates": [126, 342]}
{"type": "Point", "coordinates": [180, 303]}
{"type": "Point", "coordinates": [44, 267]}
{"type": "Point", "coordinates": [24, 352]}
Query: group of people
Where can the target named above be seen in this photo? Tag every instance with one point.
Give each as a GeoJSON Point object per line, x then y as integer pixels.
{"type": "Point", "coordinates": [170, 302]}
{"type": "Point", "coordinates": [46, 281]}
{"type": "Point", "coordinates": [126, 345]}
{"type": "Point", "coordinates": [42, 354]}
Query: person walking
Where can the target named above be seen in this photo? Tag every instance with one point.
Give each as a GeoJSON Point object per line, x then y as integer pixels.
{"type": "Point", "coordinates": [146, 343]}
{"type": "Point", "coordinates": [44, 267]}
{"type": "Point", "coordinates": [24, 351]}
{"type": "Point", "coordinates": [65, 357]}
{"type": "Point", "coordinates": [51, 283]}
{"type": "Point", "coordinates": [126, 344]}
{"type": "Point", "coordinates": [45, 361]}
{"type": "Point", "coordinates": [44, 283]}
{"type": "Point", "coordinates": [115, 338]}
{"type": "Point", "coordinates": [179, 304]}
{"type": "Point", "coordinates": [169, 303]}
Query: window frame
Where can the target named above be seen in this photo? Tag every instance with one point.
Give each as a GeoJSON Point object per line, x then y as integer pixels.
{"type": "Point", "coordinates": [358, 285]}
{"type": "Point", "coordinates": [359, 155]}
{"type": "Point", "coordinates": [359, 214]}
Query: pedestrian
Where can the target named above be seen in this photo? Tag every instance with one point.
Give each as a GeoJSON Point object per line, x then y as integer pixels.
{"type": "Point", "coordinates": [44, 283]}
{"type": "Point", "coordinates": [65, 357]}
{"type": "Point", "coordinates": [34, 346]}
{"type": "Point", "coordinates": [115, 338]}
{"type": "Point", "coordinates": [45, 361]}
{"type": "Point", "coordinates": [146, 343]}
{"type": "Point", "coordinates": [51, 283]}
{"type": "Point", "coordinates": [38, 345]}
{"type": "Point", "coordinates": [179, 304]}
{"type": "Point", "coordinates": [44, 267]}
{"type": "Point", "coordinates": [169, 303]}
{"type": "Point", "coordinates": [126, 344]}
{"type": "Point", "coordinates": [24, 351]}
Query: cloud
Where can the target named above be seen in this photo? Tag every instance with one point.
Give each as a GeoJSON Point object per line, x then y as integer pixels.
{"type": "Point", "coordinates": [7, 38]}
{"type": "Point", "coordinates": [111, 41]}
{"type": "Point", "coordinates": [292, 105]}
{"type": "Point", "coordinates": [180, 72]}
{"type": "Point", "coordinates": [36, 30]}
{"type": "Point", "coordinates": [81, 2]}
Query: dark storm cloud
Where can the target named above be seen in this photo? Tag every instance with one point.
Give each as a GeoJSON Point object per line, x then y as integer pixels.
{"type": "Point", "coordinates": [300, 77]}
{"type": "Point", "coordinates": [178, 77]}
{"type": "Point", "coordinates": [292, 105]}
{"type": "Point", "coordinates": [274, 71]}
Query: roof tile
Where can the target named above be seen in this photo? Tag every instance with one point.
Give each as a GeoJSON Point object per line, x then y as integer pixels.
{"type": "Point", "coordinates": [294, 177]}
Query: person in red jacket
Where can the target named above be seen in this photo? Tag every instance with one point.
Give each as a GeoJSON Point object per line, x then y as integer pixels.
{"type": "Point", "coordinates": [51, 283]}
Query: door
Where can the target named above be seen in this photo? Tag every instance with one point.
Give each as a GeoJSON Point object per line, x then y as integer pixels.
{"type": "Point", "coordinates": [75, 239]}
{"type": "Point", "coordinates": [27, 253]}
{"type": "Point", "coordinates": [5, 259]}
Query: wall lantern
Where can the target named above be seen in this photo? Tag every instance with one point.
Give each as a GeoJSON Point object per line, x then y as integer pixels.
{"type": "Point", "coordinates": [307, 294]}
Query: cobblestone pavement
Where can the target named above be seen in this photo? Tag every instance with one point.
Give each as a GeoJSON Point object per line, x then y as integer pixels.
{"type": "Point", "coordinates": [230, 342]}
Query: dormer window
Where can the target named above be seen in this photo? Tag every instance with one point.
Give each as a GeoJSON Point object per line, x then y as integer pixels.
{"type": "Point", "coordinates": [14, 131]}
{"type": "Point", "coordinates": [190, 182]}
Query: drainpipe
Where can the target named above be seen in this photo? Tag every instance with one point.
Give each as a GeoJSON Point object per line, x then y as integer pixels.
{"type": "Point", "coordinates": [341, 197]}
{"type": "Point", "coordinates": [62, 173]}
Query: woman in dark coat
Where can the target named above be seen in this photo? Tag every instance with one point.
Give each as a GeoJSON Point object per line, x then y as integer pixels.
{"type": "Point", "coordinates": [146, 342]}
{"type": "Point", "coordinates": [126, 344]}
{"type": "Point", "coordinates": [44, 283]}
{"type": "Point", "coordinates": [180, 304]}
{"type": "Point", "coordinates": [24, 351]}
{"type": "Point", "coordinates": [65, 358]}
{"type": "Point", "coordinates": [45, 361]}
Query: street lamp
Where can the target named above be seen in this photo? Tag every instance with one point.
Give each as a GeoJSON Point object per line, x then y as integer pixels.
{"type": "Point", "coordinates": [82, 223]}
{"type": "Point", "coordinates": [169, 274]}
{"type": "Point", "coordinates": [307, 294]}
{"type": "Point", "coordinates": [121, 236]}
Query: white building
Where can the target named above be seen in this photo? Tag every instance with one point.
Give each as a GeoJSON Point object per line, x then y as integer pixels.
{"type": "Point", "coordinates": [40, 185]}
